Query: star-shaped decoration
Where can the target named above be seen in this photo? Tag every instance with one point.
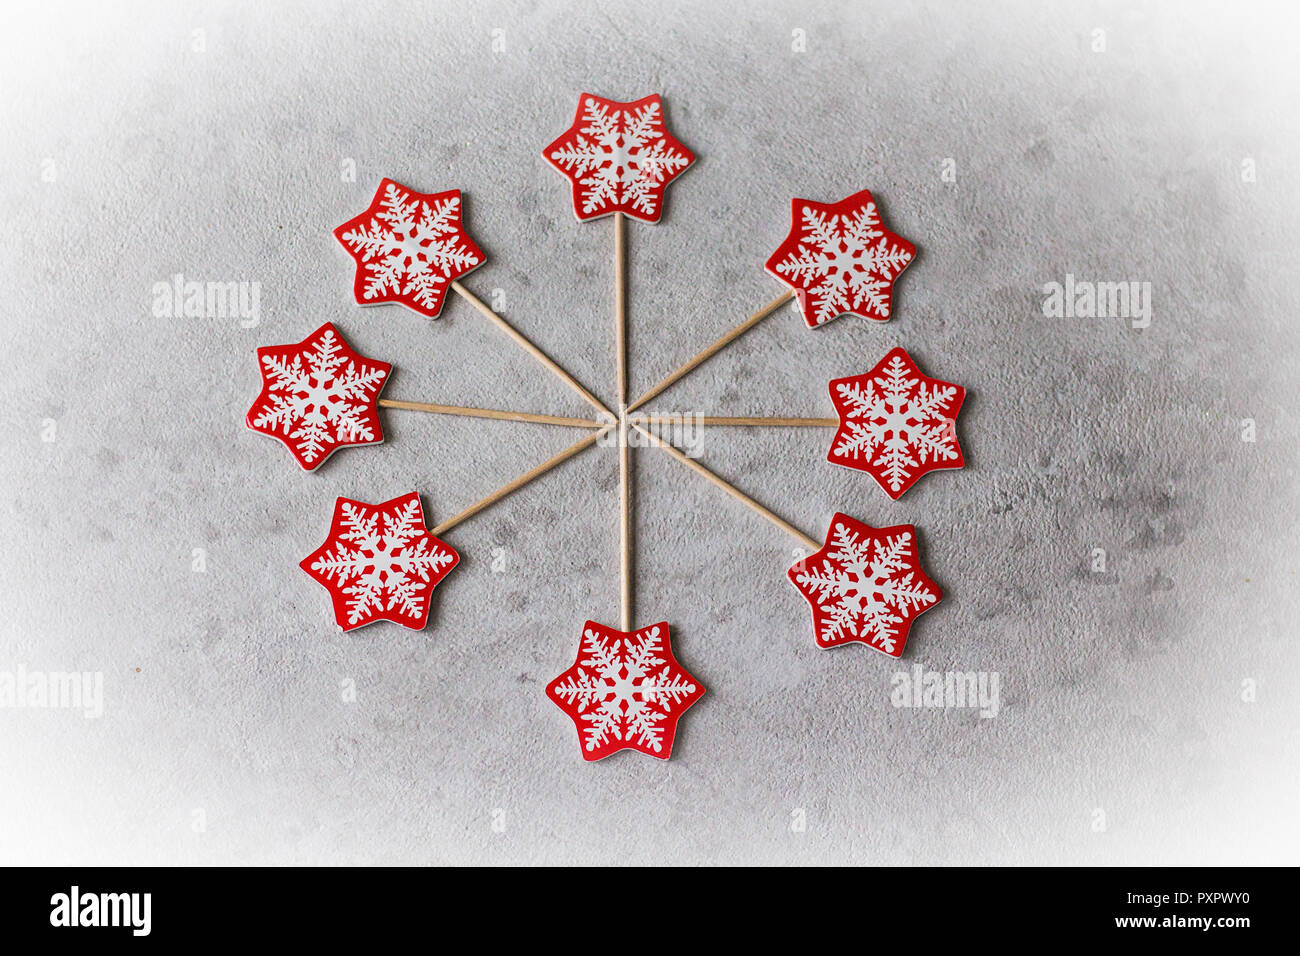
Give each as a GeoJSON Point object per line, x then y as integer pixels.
{"type": "Point", "coordinates": [409, 247]}
{"type": "Point", "coordinates": [865, 585]}
{"type": "Point", "coordinates": [626, 691]}
{"type": "Point", "coordinates": [619, 157]}
{"type": "Point", "coordinates": [896, 424]}
{"type": "Point", "coordinates": [318, 395]}
{"type": "Point", "coordinates": [840, 259]}
{"type": "Point", "coordinates": [380, 563]}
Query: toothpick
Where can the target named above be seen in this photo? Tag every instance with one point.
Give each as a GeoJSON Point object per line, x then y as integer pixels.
{"type": "Point", "coordinates": [529, 347]}
{"type": "Point", "coordinates": [625, 531]}
{"type": "Point", "coordinates": [522, 480]}
{"type": "Point", "coordinates": [686, 418]}
{"type": "Point", "coordinates": [620, 305]}
{"type": "Point", "coordinates": [736, 493]}
{"type": "Point", "coordinates": [492, 413]}
{"type": "Point", "coordinates": [624, 466]}
{"type": "Point", "coordinates": [715, 348]}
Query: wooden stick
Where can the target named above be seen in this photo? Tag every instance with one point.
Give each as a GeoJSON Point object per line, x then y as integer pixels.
{"type": "Point", "coordinates": [715, 348]}
{"type": "Point", "coordinates": [754, 422]}
{"type": "Point", "coordinates": [624, 466]}
{"type": "Point", "coordinates": [736, 493]}
{"type": "Point", "coordinates": [529, 347]}
{"type": "Point", "coordinates": [522, 480]}
{"type": "Point", "coordinates": [625, 531]}
{"type": "Point", "coordinates": [493, 413]}
{"type": "Point", "coordinates": [620, 306]}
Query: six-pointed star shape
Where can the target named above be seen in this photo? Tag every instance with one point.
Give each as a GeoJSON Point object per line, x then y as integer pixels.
{"type": "Point", "coordinates": [626, 691]}
{"type": "Point", "coordinates": [380, 563]}
{"type": "Point", "coordinates": [865, 585]}
{"type": "Point", "coordinates": [619, 157]}
{"type": "Point", "coordinates": [895, 423]}
{"type": "Point", "coordinates": [318, 395]}
{"type": "Point", "coordinates": [839, 259]}
{"type": "Point", "coordinates": [409, 247]}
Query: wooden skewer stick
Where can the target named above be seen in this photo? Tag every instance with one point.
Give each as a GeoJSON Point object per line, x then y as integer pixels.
{"type": "Point", "coordinates": [522, 480]}
{"type": "Point", "coordinates": [625, 531]}
{"type": "Point", "coordinates": [624, 466]}
{"type": "Point", "coordinates": [529, 347]}
{"type": "Point", "coordinates": [755, 422]}
{"type": "Point", "coordinates": [715, 348]}
{"type": "Point", "coordinates": [736, 493]}
{"type": "Point", "coordinates": [620, 305]}
{"type": "Point", "coordinates": [493, 413]}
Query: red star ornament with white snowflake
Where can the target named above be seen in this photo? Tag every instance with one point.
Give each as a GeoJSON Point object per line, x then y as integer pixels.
{"type": "Point", "coordinates": [626, 691]}
{"type": "Point", "coordinates": [619, 157]}
{"type": "Point", "coordinates": [318, 396]}
{"type": "Point", "coordinates": [380, 563]}
{"type": "Point", "coordinates": [896, 424]}
{"type": "Point", "coordinates": [865, 585]}
{"type": "Point", "coordinates": [840, 259]}
{"type": "Point", "coordinates": [409, 248]}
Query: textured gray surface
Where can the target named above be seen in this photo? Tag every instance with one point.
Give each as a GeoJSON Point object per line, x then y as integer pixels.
{"type": "Point", "coordinates": [1121, 691]}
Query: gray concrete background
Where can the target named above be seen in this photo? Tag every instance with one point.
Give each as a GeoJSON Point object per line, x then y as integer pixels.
{"type": "Point", "coordinates": [129, 155]}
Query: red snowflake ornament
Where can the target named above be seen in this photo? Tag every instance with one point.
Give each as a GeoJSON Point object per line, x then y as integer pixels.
{"type": "Point", "coordinates": [626, 691]}
{"type": "Point", "coordinates": [409, 247]}
{"type": "Point", "coordinates": [840, 259]}
{"type": "Point", "coordinates": [318, 396]}
{"type": "Point", "coordinates": [619, 157]}
{"type": "Point", "coordinates": [380, 563]}
{"type": "Point", "coordinates": [865, 585]}
{"type": "Point", "coordinates": [896, 424]}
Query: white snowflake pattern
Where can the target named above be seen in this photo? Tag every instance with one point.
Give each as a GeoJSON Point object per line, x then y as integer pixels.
{"type": "Point", "coordinates": [318, 395]}
{"type": "Point", "coordinates": [384, 560]}
{"type": "Point", "coordinates": [623, 699]}
{"type": "Point", "coordinates": [412, 248]}
{"type": "Point", "coordinates": [894, 420]}
{"type": "Point", "coordinates": [844, 262]}
{"type": "Point", "coordinates": [866, 586]}
{"type": "Point", "coordinates": [620, 157]}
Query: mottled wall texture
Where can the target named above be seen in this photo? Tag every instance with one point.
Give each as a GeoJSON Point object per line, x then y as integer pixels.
{"type": "Point", "coordinates": [1120, 550]}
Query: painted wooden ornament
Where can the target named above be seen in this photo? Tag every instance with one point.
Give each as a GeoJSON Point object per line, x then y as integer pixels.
{"type": "Point", "coordinates": [318, 396]}
{"type": "Point", "coordinates": [839, 259]}
{"type": "Point", "coordinates": [409, 248]}
{"type": "Point", "coordinates": [618, 157]}
{"type": "Point", "coordinates": [380, 563]}
{"type": "Point", "coordinates": [625, 691]}
{"type": "Point", "coordinates": [896, 424]}
{"type": "Point", "coordinates": [865, 585]}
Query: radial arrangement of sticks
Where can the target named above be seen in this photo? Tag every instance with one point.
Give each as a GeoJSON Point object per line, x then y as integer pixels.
{"type": "Point", "coordinates": [616, 426]}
